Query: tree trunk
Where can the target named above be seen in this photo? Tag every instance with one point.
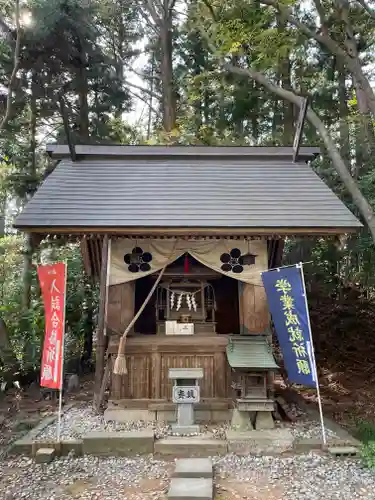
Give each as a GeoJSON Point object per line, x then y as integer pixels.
{"type": "Point", "coordinates": [7, 356]}
{"type": "Point", "coordinates": [288, 108]}
{"type": "Point", "coordinates": [344, 116]}
{"type": "Point", "coordinates": [285, 81]}
{"type": "Point", "coordinates": [28, 247]}
{"type": "Point", "coordinates": [169, 100]}
{"type": "Point", "coordinates": [26, 273]}
{"type": "Point", "coordinates": [82, 90]}
{"type": "Point", "coordinates": [83, 104]}
{"type": "Point", "coordinates": [88, 330]}
{"type": "Point", "coordinates": [275, 119]}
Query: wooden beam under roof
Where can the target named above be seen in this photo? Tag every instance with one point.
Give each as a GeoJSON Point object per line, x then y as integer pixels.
{"type": "Point", "coordinates": [194, 231]}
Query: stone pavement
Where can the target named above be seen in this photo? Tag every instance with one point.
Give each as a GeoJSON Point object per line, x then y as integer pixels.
{"type": "Point", "coordinates": [192, 480]}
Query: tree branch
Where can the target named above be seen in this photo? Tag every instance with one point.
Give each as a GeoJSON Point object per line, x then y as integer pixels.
{"type": "Point", "coordinates": [171, 4]}
{"type": "Point", "coordinates": [143, 99]}
{"type": "Point", "coordinates": [211, 9]}
{"type": "Point", "coordinates": [322, 16]}
{"type": "Point", "coordinates": [337, 161]}
{"type": "Point", "coordinates": [16, 64]}
{"type": "Point", "coordinates": [152, 11]}
{"type": "Point", "coordinates": [370, 11]}
{"type": "Point", "coordinates": [148, 21]}
{"type": "Point", "coordinates": [142, 89]}
{"type": "Point", "coordinates": [322, 38]}
{"type": "Point", "coordinates": [5, 31]}
{"type": "Point", "coordinates": [140, 74]}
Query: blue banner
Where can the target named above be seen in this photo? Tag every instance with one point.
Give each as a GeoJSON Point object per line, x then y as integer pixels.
{"type": "Point", "coordinates": [286, 301]}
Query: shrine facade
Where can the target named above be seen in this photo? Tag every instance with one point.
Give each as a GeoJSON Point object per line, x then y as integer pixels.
{"type": "Point", "coordinates": [204, 222]}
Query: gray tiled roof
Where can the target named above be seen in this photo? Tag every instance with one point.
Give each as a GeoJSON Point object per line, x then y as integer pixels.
{"type": "Point", "coordinates": [252, 351]}
{"type": "Point", "coordinates": [212, 191]}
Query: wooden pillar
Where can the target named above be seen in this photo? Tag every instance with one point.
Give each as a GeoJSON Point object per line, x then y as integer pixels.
{"type": "Point", "coordinates": [155, 375]}
{"type": "Point", "coordinates": [120, 313]}
{"type": "Point", "coordinates": [101, 340]}
{"type": "Point", "coordinates": [253, 309]}
{"type": "Point", "coordinates": [127, 305]}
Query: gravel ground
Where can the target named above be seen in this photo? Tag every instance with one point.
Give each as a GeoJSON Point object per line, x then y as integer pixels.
{"type": "Point", "coordinates": [81, 419]}
{"type": "Point", "coordinates": [77, 421]}
{"type": "Point", "coordinates": [306, 429]}
{"type": "Point", "coordinates": [86, 478]}
{"type": "Point", "coordinates": [311, 477]}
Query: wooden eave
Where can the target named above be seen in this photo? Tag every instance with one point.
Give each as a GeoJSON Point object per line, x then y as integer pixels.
{"type": "Point", "coordinates": [91, 239]}
{"type": "Point", "coordinates": [192, 231]}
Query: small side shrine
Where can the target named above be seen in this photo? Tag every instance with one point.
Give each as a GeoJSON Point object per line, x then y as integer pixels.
{"type": "Point", "coordinates": [253, 369]}
{"type": "Point", "coordinates": [177, 238]}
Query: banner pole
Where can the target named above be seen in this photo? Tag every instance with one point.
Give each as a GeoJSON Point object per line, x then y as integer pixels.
{"type": "Point", "coordinates": [284, 267]}
{"type": "Point", "coordinates": [300, 266]}
{"type": "Point", "coordinates": [62, 360]}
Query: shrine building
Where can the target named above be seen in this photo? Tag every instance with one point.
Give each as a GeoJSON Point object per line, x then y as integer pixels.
{"type": "Point", "coordinates": [204, 222]}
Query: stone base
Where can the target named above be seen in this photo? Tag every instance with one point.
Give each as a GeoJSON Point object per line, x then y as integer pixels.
{"type": "Point", "coordinates": [44, 455]}
{"type": "Point", "coordinates": [193, 467]}
{"type": "Point", "coordinates": [128, 415]}
{"type": "Point", "coordinates": [190, 489]}
{"type": "Point", "coordinates": [166, 416]}
{"type": "Point", "coordinates": [343, 451]}
{"type": "Point", "coordinates": [179, 447]}
{"type": "Point", "coordinates": [128, 411]}
{"type": "Point", "coordinates": [185, 429]}
{"type": "Point", "coordinates": [120, 444]}
{"type": "Point", "coordinates": [264, 421]}
{"type": "Point", "coordinates": [241, 421]}
{"type": "Point", "coordinates": [304, 445]}
{"type": "Point", "coordinates": [268, 442]}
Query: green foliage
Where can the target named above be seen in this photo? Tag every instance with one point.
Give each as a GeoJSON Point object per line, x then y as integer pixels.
{"type": "Point", "coordinates": [89, 49]}
{"type": "Point", "coordinates": [26, 327]}
{"type": "Point", "coordinates": [366, 431]}
{"type": "Point", "coordinates": [368, 455]}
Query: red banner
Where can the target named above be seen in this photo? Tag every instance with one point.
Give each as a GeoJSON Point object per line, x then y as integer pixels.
{"type": "Point", "coordinates": [52, 279]}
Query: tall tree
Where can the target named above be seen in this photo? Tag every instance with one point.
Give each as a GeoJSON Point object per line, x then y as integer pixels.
{"type": "Point", "coordinates": [159, 16]}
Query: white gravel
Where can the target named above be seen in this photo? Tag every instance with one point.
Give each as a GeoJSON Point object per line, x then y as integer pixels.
{"type": "Point", "coordinates": [306, 429]}
{"type": "Point", "coordinates": [86, 478]}
{"type": "Point", "coordinates": [79, 420]}
{"type": "Point", "coordinates": [307, 477]}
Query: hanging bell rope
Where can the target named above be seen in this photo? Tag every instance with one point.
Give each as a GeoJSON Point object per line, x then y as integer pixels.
{"type": "Point", "coordinates": [120, 363]}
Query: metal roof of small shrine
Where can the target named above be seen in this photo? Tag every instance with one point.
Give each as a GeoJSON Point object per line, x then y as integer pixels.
{"type": "Point", "coordinates": [184, 187]}
{"type": "Point", "coordinates": [250, 351]}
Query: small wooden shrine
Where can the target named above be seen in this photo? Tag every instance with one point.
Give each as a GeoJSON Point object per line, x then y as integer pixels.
{"type": "Point", "coordinates": [185, 300]}
{"type": "Point", "coordinates": [178, 238]}
{"type": "Point", "coordinates": [253, 369]}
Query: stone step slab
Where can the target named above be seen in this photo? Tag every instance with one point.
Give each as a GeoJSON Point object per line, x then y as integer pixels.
{"type": "Point", "coordinates": [343, 451]}
{"type": "Point", "coordinates": [190, 489]}
{"type": "Point", "coordinates": [190, 447]}
{"type": "Point", "coordinates": [44, 455]}
{"type": "Point", "coordinates": [118, 443]}
{"type": "Point", "coordinates": [193, 468]}
{"type": "Point", "coordinates": [268, 442]}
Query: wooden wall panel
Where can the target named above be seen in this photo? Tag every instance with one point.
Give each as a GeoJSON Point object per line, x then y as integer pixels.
{"type": "Point", "coordinates": [136, 384]}
{"type": "Point", "coordinates": [120, 306]}
{"type": "Point", "coordinates": [254, 317]}
{"type": "Point", "coordinates": [149, 358]}
{"type": "Point", "coordinates": [184, 361]}
{"type": "Point", "coordinates": [253, 309]}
